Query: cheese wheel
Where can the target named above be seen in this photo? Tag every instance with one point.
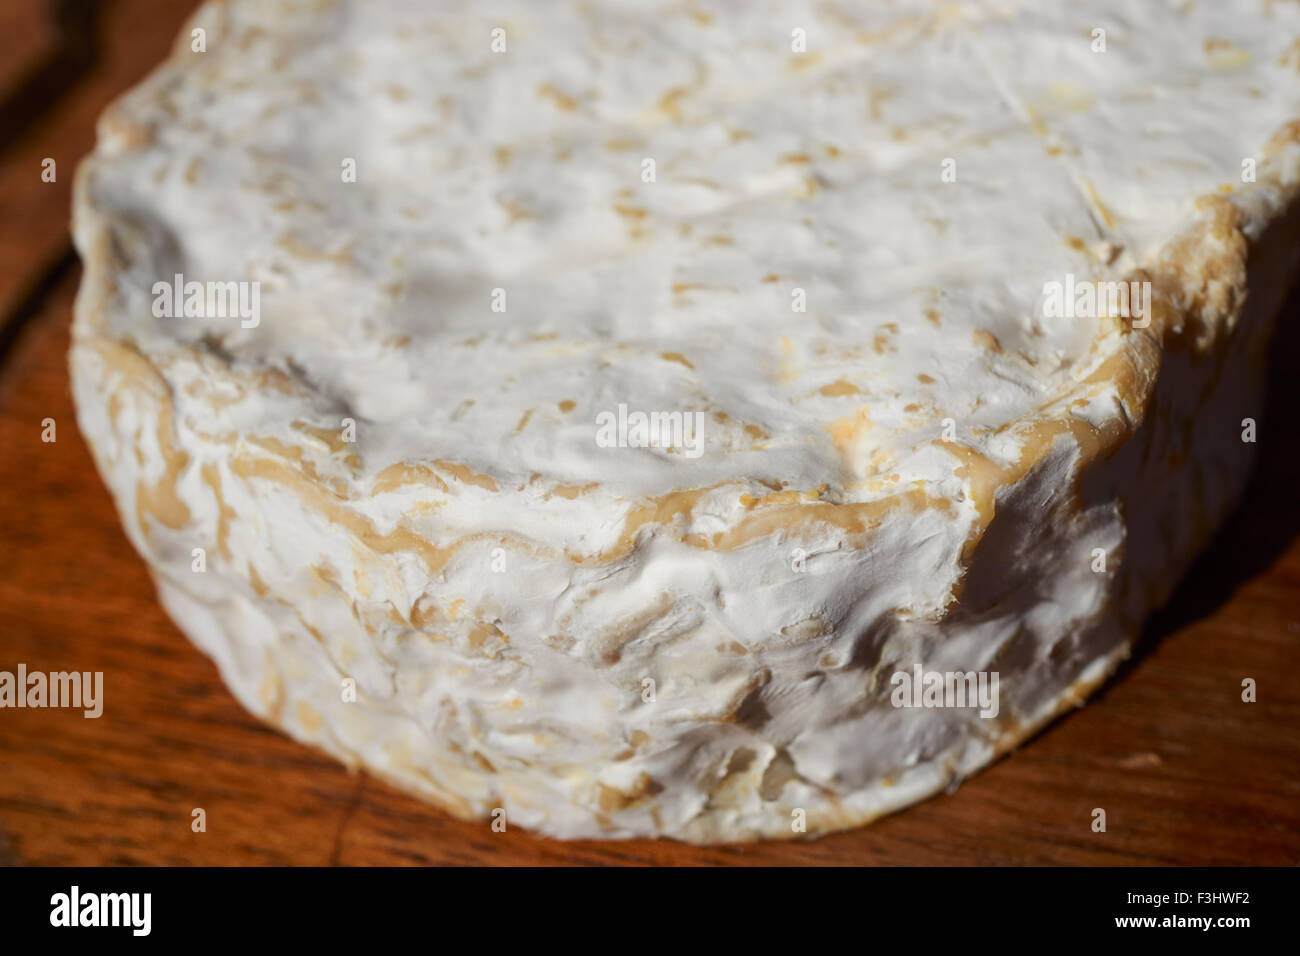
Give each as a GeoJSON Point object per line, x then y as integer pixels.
{"type": "Point", "coordinates": [708, 420]}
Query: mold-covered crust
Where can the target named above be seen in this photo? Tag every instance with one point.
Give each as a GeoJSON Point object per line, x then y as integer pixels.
{"type": "Point", "coordinates": [395, 475]}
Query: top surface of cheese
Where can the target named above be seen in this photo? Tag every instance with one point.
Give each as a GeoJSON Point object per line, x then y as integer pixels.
{"type": "Point", "coordinates": [825, 227]}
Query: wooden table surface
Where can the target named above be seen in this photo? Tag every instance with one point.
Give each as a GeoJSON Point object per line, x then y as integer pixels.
{"type": "Point", "coordinates": [1187, 772]}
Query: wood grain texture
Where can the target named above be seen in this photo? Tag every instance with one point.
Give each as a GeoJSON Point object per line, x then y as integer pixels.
{"type": "Point", "coordinates": [28, 35]}
{"type": "Point", "coordinates": [1187, 772]}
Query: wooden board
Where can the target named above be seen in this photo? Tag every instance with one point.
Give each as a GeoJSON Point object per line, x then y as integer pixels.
{"type": "Point", "coordinates": [1187, 772]}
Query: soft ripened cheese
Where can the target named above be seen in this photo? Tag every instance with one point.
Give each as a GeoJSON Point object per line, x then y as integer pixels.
{"type": "Point", "coordinates": [822, 236]}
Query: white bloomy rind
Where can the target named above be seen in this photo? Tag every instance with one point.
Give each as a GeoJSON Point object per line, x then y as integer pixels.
{"type": "Point", "coordinates": [417, 555]}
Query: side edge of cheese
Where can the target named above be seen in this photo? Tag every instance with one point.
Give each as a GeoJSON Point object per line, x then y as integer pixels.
{"type": "Point", "coordinates": [823, 234]}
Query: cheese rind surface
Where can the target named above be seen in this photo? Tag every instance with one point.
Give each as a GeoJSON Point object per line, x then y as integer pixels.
{"type": "Point", "coordinates": [830, 258]}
